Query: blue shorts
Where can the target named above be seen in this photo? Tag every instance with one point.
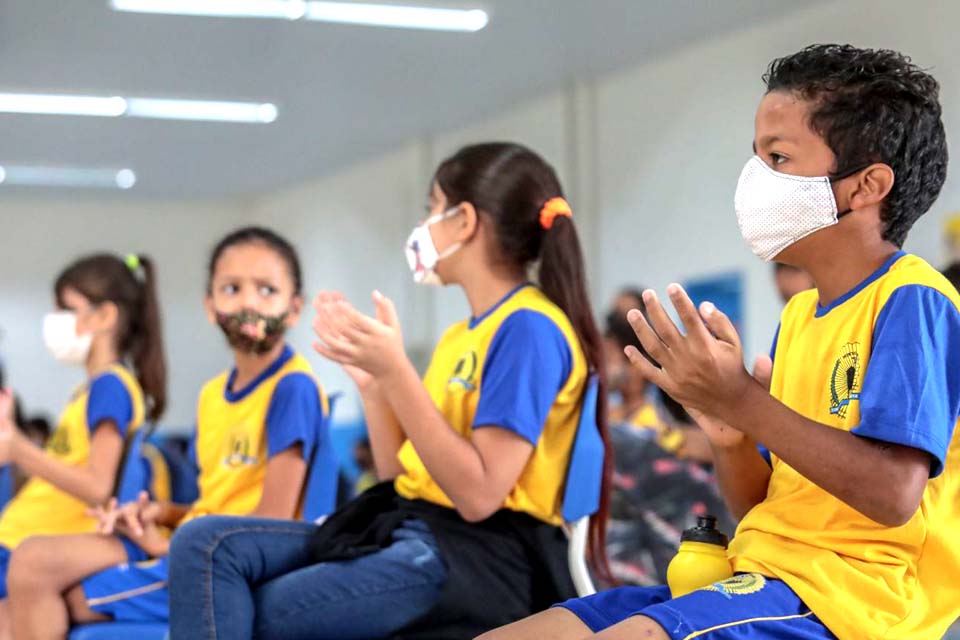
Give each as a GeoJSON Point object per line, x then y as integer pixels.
{"type": "Point", "coordinates": [745, 607]}
{"type": "Point", "coordinates": [134, 553]}
{"type": "Point", "coordinates": [130, 592]}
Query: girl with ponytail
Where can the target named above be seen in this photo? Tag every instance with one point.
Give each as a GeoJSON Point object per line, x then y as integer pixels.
{"type": "Point", "coordinates": [107, 321]}
{"type": "Point", "coordinates": [463, 534]}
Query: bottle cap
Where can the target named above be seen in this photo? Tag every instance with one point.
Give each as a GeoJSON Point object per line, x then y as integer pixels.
{"type": "Point", "coordinates": [706, 531]}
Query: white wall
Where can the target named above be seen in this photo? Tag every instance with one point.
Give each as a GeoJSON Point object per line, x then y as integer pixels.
{"type": "Point", "coordinates": [649, 157]}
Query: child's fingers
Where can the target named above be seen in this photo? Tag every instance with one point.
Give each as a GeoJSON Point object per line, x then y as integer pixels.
{"type": "Point", "coordinates": [386, 310]}
{"type": "Point", "coordinates": [648, 337]}
{"type": "Point", "coordinates": [659, 321]}
{"type": "Point", "coordinates": [325, 297]}
{"type": "Point", "coordinates": [688, 313]}
{"type": "Point", "coordinates": [763, 371]}
{"type": "Point", "coordinates": [719, 324]}
{"type": "Point", "coordinates": [331, 353]}
{"type": "Point", "coordinates": [132, 521]}
{"type": "Point", "coordinates": [647, 369]}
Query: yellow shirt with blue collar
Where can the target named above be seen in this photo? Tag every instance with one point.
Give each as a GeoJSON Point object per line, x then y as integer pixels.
{"type": "Point", "coordinates": [239, 431]}
{"type": "Point", "coordinates": [882, 362]}
{"type": "Point", "coordinates": [40, 508]}
{"type": "Point", "coordinates": [518, 367]}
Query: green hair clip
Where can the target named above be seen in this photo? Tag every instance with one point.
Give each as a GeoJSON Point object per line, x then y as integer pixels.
{"type": "Point", "coordinates": [133, 262]}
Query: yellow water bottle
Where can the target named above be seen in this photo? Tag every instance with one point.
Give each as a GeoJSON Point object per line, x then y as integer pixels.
{"type": "Point", "coordinates": [702, 559]}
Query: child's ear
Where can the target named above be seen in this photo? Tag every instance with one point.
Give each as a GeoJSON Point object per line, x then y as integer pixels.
{"type": "Point", "coordinates": [296, 308]}
{"type": "Point", "coordinates": [107, 316]}
{"type": "Point", "coordinates": [467, 223]}
{"type": "Point", "coordinates": [872, 186]}
{"type": "Point", "coordinates": [208, 307]}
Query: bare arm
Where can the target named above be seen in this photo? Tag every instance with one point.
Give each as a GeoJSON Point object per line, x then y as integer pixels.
{"type": "Point", "coordinates": [881, 480]}
{"type": "Point", "coordinates": [282, 485]}
{"type": "Point", "coordinates": [704, 370]}
{"type": "Point", "coordinates": [476, 474]}
{"type": "Point", "coordinates": [92, 483]}
{"type": "Point", "coordinates": [386, 435]}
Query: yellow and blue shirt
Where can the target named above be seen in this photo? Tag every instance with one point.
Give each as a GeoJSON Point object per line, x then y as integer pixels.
{"type": "Point", "coordinates": [239, 430]}
{"type": "Point", "coordinates": [518, 367]}
{"type": "Point", "coordinates": [882, 362]}
{"type": "Point", "coordinates": [40, 508]}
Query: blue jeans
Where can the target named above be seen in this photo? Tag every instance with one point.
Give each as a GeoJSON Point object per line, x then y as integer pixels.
{"type": "Point", "coordinates": [238, 578]}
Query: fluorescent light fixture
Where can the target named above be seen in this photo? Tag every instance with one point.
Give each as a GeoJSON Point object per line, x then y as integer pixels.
{"type": "Point", "coordinates": [61, 104]}
{"type": "Point", "coordinates": [30, 176]}
{"type": "Point", "coordinates": [289, 9]}
{"type": "Point", "coordinates": [201, 110]}
{"type": "Point", "coordinates": [387, 15]}
{"type": "Point", "coordinates": [114, 107]}
{"type": "Point", "coordinates": [359, 13]}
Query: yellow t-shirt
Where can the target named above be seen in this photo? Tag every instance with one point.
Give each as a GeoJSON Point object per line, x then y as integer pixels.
{"type": "Point", "coordinates": [883, 362]}
{"type": "Point", "coordinates": [40, 508]}
{"type": "Point", "coordinates": [237, 432]}
{"type": "Point", "coordinates": [518, 367]}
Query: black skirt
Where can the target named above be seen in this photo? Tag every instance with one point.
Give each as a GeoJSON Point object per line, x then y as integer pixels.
{"type": "Point", "coordinates": [500, 570]}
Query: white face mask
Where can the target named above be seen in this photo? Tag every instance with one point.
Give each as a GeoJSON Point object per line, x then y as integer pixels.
{"type": "Point", "coordinates": [60, 336]}
{"type": "Point", "coordinates": [422, 254]}
{"type": "Point", "coordinates": [775, 210]}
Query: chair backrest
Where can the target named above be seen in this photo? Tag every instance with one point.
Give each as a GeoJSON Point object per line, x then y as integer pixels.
{"type": "Point", "coordinates": [581, 493]}
{"type": "Point", "coordinates": [320, 498]}
{"type": "Point", "coordinates": [135, 472]}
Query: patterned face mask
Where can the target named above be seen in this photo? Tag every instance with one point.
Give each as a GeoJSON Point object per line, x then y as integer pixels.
{"type": "Point", "coordinates": [252, 332]}
{"type": "Point", "coordinates": [775, 210]}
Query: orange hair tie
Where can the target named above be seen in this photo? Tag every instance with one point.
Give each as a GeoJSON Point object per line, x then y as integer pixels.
{"type": "Point", "coordinates": [553, 208]}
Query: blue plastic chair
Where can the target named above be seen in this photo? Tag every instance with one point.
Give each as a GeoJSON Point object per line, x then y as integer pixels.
{"type": "Point", "coordinates": [581, 494]}
{"type": "Point", "coordinates": [319, 500]}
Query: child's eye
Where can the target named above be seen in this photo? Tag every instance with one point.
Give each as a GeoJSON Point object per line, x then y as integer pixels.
{"type": "Point", "coordinates": [267, 290]}
{"type": "Point", "coordinates": [230, 289]}
{"type": "Point", "coordinates": [777, 159]}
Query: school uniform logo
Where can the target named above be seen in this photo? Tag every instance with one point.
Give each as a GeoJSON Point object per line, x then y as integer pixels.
{"type": "Point", "coordinates": [239, 455]}
{"type": "Point", "coordinates": [59, 442]}
{"type": "Point", "coordinates": [743, 584]}
{"type": "Point", "coordinates": [465, 373]}
{"type": "Point", "coordinates": [845, 380]}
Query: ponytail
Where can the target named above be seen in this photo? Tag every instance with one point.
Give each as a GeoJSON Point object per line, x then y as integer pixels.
{"type": "Point", "coordinates": [563, 279]}
{"type": "Point", "coordinates": [145, 343]}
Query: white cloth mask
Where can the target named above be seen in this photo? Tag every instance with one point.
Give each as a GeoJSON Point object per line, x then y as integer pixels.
{"type": "Point", "coordinates": [422, 254]}
{"type": "Point", "coordinates": [63, 343]}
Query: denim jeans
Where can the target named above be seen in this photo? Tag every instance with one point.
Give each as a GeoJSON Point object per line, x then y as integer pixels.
{"type": "Point", "coordinates": [238, 578]}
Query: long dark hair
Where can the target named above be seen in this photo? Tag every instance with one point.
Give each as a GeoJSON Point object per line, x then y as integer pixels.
{"type": "Point", "coordinates": [269, 239]}
{"type": "Point", "coordinates": [131, 285]}
{"type": "Point", "coordinates": [509, 184]}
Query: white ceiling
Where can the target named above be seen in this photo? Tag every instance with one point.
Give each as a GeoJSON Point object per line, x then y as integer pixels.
{"type": "Point", "coordinates": [344, 93]}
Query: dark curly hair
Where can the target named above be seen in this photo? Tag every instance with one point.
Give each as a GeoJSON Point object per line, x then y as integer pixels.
{"type": "Point", "coordinates": [873, 105]}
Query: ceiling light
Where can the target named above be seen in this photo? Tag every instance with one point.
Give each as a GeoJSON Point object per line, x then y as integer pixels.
{"type": "Point", "coordinates": [75, 177]}
{"type": "Point", "coordinates": [60, 104]}
{"type": "Point", "coordinates": [114, 107]}
{"type": "Point", "coordinates": [358, 13]}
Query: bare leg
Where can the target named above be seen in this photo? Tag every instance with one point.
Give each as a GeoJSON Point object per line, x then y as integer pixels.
{"type": "Point", "coordinates": [44, 569]}
{"type": "Point", "coordinates": [6, 632]}
{"type": "Point", "coordinates": [634, 628]}
{"type": "Point", "coordinates": [552, 624]}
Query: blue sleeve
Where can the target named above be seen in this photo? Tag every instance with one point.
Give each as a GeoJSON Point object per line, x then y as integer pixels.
{"type": "Point", "coordinates": [295, 415]}
{"type": "Point", "coordinates": [528, 362]}
{"type": "Point", "coordinates": [109, 400]}
{"type": "Point", "coordinates": [911, 389]}
{"type": "Point", "coordinates": [773, 347]}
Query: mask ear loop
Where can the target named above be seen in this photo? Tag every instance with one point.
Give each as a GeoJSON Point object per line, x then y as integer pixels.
{"type": "Point", "coordinates": [844, 176]}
